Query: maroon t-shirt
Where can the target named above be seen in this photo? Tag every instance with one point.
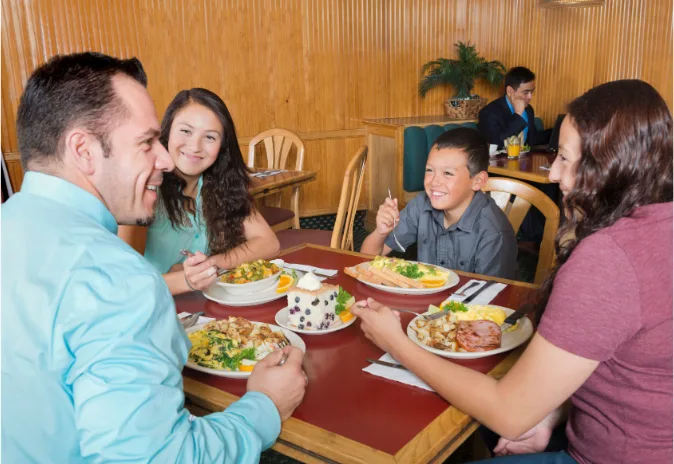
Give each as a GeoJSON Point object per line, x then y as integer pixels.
{"type": "Point", "coordinates": [612, 302]}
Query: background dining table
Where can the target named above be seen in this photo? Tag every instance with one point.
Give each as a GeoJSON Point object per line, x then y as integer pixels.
{"type": "Point", "coordinates": [350, 416]}
{"type": "Point", "coordinates": [268, 185]}
{"type": "Point", "coordinates": [533, 166]}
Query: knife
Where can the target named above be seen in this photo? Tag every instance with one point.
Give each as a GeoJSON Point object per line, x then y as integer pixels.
{"type": "Point", "coordinates": [385, 363]}
{"type": "Point", "coordinates": [314, 269]}
{"type": "Point", "coordinates": [472, 297]}
{"type": "Point", "coordinates": [512, 319]}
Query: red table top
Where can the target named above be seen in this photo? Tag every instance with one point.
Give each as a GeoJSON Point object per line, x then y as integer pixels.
{"type": "Point", "coordinates": [341, 398]}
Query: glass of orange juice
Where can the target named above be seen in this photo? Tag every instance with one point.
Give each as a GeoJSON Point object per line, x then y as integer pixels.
{"type": "Point", "coordinates": [513, 151]}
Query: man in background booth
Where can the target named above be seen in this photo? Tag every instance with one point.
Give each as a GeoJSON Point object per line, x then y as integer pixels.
{"type": "Point", "coordinates": [512, 113]}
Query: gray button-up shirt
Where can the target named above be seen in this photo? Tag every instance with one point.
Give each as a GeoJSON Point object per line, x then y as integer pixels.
{"type": "Point", "coordinates": [483, 241]}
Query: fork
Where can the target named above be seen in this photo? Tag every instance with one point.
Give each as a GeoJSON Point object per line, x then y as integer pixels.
{"type": "Point", "coordinates": [463, 293]}
{"type": "Point", "coordinates": [189, 321]}
{"type": "Point", "coordinates": [189, 254]}
{"type": "Point", "coordinates": [430, 317]}
{"type": "Point", "coordinates": [394, 223]}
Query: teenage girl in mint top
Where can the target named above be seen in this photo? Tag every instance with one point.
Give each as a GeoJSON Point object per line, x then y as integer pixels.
{"type": "Point", "coordinates": [204, 204]}
{"type": "Point", "coordinates": [603, 350]}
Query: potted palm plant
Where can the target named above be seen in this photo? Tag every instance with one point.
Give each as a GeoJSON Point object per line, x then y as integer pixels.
{"type": "Point", "coordinates": [461, 74]}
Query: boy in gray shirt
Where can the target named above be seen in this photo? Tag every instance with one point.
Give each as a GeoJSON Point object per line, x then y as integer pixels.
{"type": "Point", "coordinates": [454, 224]}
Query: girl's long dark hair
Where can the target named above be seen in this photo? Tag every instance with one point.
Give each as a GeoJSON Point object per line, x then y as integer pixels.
{"type": "Point", "coordinates": [226, 202]}
{"type": "Point", "coordinates": [626, 162]}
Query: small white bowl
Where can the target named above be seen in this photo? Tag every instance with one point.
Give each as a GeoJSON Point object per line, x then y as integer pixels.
{"type": "Point", "coordinates": [253, 287]}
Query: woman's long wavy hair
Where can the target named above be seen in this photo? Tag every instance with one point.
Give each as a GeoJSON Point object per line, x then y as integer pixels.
{"type": "Point", "coordinates": [226, 201]}
{"type": "Point", "coordinates": [626, 162]}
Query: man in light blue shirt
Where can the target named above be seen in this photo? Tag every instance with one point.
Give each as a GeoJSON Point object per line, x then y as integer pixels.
{"type": "Point", "coordinates": [92, 350]}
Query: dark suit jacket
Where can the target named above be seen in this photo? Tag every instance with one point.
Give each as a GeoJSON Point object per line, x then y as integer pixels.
{"type": "Point", "coordinates": [497, 122]}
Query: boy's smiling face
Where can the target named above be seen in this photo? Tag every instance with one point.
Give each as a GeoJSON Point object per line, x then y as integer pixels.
{"type": "Point", "coordinates": [447, 181]}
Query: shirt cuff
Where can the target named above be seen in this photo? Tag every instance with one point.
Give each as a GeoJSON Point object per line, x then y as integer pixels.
{"type": "Point", "coordinates": [261, 412]}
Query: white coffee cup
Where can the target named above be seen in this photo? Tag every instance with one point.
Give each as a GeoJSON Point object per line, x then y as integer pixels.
{"type": "Point", "coordinates": [492, 149]}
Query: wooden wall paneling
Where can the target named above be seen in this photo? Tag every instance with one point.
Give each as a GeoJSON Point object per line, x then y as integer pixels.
{"type": "Point", "coordinates": [319, 67]}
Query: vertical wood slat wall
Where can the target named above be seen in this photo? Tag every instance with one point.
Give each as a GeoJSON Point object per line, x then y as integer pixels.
{"type": "Point", "coordinates": [318, 67]}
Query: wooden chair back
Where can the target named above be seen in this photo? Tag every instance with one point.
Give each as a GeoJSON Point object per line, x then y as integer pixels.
{"type": "Point", "coordinates": [502, 189]}
{"type": "Point", "coordinates": [342, 234]}
{"type": "Point", "coordinates": [277, 145]}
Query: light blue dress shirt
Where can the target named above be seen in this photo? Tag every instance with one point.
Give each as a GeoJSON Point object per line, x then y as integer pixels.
{"type": "Point", "coordinates": [524, 115]}
{"type": "Point", "coordinates": [164, 242]}
{"type": "Point", "coordinates": [92, 350]}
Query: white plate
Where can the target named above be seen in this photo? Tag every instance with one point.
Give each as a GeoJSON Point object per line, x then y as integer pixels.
{"type": "Point", "coordinates": [220, 295]}
{"type": "Point", "coordinates": [294, 340]}
{"type": "Point", "coordinates": [452, 280]}
{"type": "Point", "coordinates": [252, 288]}
{"type": "Point", "coordinates": [509, 340]}
{"type": "Point", "coordinates": [282, 320]}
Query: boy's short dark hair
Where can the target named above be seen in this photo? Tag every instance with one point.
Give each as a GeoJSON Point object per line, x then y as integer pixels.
{"type": "Point", "coordinates": [66, 91]}
{"type": "Point", "coordinates": [471, 143]}
{"type": "Point", "coordinates": [518, 76]}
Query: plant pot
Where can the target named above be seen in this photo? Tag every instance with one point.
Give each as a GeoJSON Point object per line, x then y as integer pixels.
{"type": "Point", "coordinates": [464, 109]}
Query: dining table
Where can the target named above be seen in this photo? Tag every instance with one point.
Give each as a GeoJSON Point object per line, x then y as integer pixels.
{"type": "Point", "coordinates": [348, 415]}
{"type": "Point", "coordinates": [280, 180]}
{"type": "Point", "coordinates": [533, 166]}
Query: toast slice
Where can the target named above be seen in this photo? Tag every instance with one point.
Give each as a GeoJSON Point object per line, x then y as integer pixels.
{"type": "Point", "coordinates": [356, 273]}
{"type": "Point", "coordinates": [411, 283]}
{"type": "Point", "coordinates": [392, 277]}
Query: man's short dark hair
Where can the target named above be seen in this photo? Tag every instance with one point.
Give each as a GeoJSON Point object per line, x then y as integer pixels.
{"type": "Point", "coordinates": [518, 76]}
{"type": "Point", "coordinates": [66, 91]}
{"type": "Point", "coordinates": [471, 143]}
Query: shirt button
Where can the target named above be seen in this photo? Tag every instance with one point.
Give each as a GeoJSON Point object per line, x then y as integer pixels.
{"type": "Point", "coordinates": [461, 263]}
{"type": "Point", "coordinates": [196, 235]}
{"type": "Point", "coordinates": [442, 262]}
{"type": "Point", "coordinates": [425, 241]}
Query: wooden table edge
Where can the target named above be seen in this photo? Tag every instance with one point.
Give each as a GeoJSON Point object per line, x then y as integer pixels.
{"type": "Point", "coordinates": [539, 178]}
{"type": "Point", "coordinates": [306, 176]}
{"type": "Point", "coordinates": [308, 443]}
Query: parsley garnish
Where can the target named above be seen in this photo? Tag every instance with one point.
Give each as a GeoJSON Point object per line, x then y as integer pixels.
{"type": "Point", "coordinates": [455, 307]}
{"type": "Point", "coordinates": [232, 362]}
{"type": "Point", "coordinates": [411, 271]}
{"type": "Point", "coordinates": [342, 298]}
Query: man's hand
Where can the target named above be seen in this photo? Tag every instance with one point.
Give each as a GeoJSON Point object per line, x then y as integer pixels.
{"type": "Point", "coordinates": [284, 385]}
{"type": "Point", "coordinates": [387, 216]}
{"type": "Point", "coordinates": [519, 106]}
{"type": "Point", "coordinates": [200, 271]}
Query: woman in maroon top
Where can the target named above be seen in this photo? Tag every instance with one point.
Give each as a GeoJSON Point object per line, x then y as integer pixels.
{"type": "Point", "coordinates": [604, 342]}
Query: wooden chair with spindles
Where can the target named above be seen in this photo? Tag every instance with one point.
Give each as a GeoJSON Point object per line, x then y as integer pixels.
{"type": "Point", "coordinates": [502, 189]}
{"type": "Point", "coordinates": [278, 144]}
{"type": "Point", "coordinates": [341, 236]}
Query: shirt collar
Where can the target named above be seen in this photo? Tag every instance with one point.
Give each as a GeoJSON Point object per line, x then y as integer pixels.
{"type": "Point", "coordinates": [69, 194]}
{"type": "Point", "coordinates": [512, 109]}
{"type": "Point", "coordinates": [467, 219]}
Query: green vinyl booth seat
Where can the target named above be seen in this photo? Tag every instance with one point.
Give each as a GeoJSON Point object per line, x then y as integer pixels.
{"type": "Point", "coordinates": [417, 144]}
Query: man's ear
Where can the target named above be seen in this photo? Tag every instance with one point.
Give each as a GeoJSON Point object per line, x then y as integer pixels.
{"type": "Point", "coordinates": [82, 149]}
{"type": "Point", "coordinates": [510, 91]}
{"type": "Point", "coordinates": [480, 180]}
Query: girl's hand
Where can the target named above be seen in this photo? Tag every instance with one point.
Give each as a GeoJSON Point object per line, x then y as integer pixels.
{"type": "Point", "coordinates": [200, 271]}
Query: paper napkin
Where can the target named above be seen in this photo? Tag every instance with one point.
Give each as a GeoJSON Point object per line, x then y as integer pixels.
{"type": "Point", "coordinates": [314, 269]}
{"type": "Point", "coordinates": [202, 319]}
{"type": "Point", "coordinates": [484, 297]}
{"type": "Point", "coordinates": [397, 375]}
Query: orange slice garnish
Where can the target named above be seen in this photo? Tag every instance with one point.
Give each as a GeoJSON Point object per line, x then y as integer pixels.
{"type": "Point", "coordinates": [346, 316]}
{"type": "Point", "coordinates": [284, 283]}
{"type": "Point", "coordinates": [432, 282]}
{"type": "Point", "coordinates": [246, 367]}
